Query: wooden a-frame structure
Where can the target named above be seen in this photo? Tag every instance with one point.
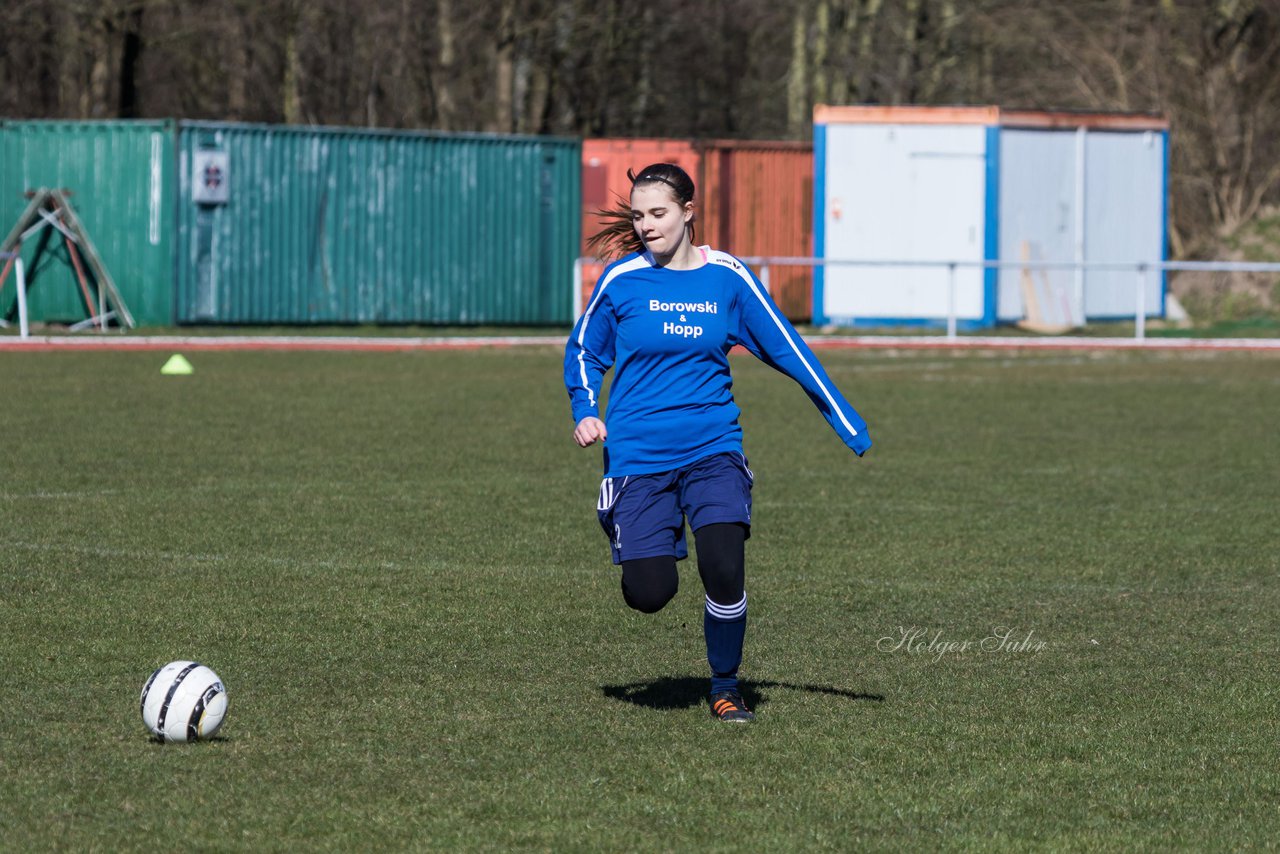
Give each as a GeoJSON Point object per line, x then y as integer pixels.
{"type": "Point", "coordinates": [48, 212]}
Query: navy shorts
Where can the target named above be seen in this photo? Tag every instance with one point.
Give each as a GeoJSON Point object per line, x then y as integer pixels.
{"type": "Point", "coordinates": [644, 515]}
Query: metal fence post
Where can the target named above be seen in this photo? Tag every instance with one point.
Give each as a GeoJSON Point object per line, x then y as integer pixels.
{"type": "Point", "coordinates": [1140, 311]}
{"type": "Point", "coordinates": [951, 301]}
{"type": "Point", "coordinates": [577, 288]}
{"type": "Point", "coordinates": [24, 328]}
{"type": "Point", "coordinates": [764, 278]}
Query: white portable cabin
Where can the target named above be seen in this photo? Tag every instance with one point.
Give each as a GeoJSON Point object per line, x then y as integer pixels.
{"type": "Point", "coordinates": [1083, 197]}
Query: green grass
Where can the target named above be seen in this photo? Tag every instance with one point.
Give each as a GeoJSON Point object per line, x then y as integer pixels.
{"type": "Point", "coordinates": [1253, 327]}
{"type": "Point", "coordinates": [393, 562]}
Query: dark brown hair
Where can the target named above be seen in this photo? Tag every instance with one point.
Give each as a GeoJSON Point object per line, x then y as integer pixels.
{"type": "Point", "coordinates": [618, 237]}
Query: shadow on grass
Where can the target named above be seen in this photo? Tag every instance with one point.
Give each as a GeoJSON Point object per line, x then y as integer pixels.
{"type": "Point", "coordinates": [217, 739]}
{"type": "Point", "coordinates": [685, 692]}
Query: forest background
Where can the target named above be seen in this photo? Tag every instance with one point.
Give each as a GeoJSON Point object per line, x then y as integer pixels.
{"type": "Point", "coordinates": [749, 69]}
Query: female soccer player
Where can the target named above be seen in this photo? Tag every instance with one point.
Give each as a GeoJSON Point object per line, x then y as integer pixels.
{"type": "Point", "coordinates": [664, 317]}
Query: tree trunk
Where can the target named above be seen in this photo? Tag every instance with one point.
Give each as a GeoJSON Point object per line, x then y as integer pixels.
{"type": "Point", "coordinates": [97, 95]}
{"type": "Point", "coordinates": [292, 105]}
{"type": "Point", "coordinates": [944, 55]}
{"type": "Point", "coordinates": [130, 53]}
{"type": "Point", "coordinates": [644, 78]}
{"type": "Point", "coordinates": [407, 96]}
{"type": "Point", "coordinates": [442, 80]}
{"type": "Point", "coordinates": [372, 94]}
{"type": "Point", "coordinates": [237, 63]}
{"type": "Point", "coordinates": [66, 33]}
{"type": "Point", "coordinates": [536, 99]}
{"type": "Point", "coordinates": [909, 56]}
{"type": "Point", "coordinates": [504, 120]}
{"type": "Point", "coordinates": [865, 88]}
{"type": "Point", "coordinates": [821, 44]}
{"type": "Point", "coordinates": [844, 82]}
{"type": "Point", "coordinates": [798, 104]}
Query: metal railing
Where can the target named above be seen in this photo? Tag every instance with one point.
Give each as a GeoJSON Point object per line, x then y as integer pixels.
{"type": "Point", "coordinates": [1140, 270]}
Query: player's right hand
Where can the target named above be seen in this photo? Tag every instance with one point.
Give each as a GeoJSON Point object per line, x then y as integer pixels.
{"type": "Point", "coordinates": [589, 431]}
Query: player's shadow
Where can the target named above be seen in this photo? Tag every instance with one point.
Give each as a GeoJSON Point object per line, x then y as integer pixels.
{"type": "Point", "coordinates": [685, 692]}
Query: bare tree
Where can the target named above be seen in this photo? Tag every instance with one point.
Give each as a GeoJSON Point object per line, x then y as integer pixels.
{"type": "Point", "coordinates": [798, 97]}
{"type": "Point", "coordinates": [717, 68]}
{"type": "Point", "coordinates": [1223, 84]}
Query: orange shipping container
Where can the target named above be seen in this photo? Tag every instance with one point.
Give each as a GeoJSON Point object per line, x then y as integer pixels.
{"type": "Point", "coordinates": [604, 171]}
{"type": "Point", "coordinates": [757, 200]}
{"type": "Point", "coordinates": [754, 199]}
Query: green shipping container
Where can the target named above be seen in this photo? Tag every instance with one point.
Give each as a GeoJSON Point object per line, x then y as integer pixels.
{"type": "Point", "coordinates": [292, 225]}
{"type": "Point", "coordinates": [121, 178]}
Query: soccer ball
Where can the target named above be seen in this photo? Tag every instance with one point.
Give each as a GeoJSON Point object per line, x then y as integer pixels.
{"type": "Point", "coordinates": [183, 701]}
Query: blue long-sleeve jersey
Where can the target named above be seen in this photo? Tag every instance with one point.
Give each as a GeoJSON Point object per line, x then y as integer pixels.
{"type": "Point", "coordinates": [667, 335]}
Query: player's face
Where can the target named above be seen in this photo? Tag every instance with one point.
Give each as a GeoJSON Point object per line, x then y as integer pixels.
{"type": "Point", "coordinates": [659, 218]}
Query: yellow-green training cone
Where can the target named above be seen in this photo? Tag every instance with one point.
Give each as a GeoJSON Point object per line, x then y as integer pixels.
{"type": "Point", "coordinates": [177, 366]}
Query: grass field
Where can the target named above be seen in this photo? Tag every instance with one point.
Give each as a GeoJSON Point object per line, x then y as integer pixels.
{"type": "Point", "coordinates": [393, 562]}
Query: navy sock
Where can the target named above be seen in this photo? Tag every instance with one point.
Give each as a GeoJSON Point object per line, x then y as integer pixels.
{"type": "Point", "coordinates": [725, 627]}
{"type": "Point", "coordinates": [721, 565]}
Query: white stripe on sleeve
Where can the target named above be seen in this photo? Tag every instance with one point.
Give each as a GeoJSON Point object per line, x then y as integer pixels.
{"type": "Point", "coordinates": [634, 264]}
{"type": "Point", "coordinates": [742, 271]}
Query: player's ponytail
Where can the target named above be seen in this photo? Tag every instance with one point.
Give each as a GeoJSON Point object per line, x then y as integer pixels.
{"type": "Point", "coordinates": [618, 236]}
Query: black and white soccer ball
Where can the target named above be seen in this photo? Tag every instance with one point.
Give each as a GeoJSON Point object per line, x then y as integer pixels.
{"type": "Point", "coordinates": [183, 701]}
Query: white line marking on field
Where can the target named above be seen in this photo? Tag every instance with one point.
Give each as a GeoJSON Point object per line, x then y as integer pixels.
{"type": "Point", "coordinates": [188, 557]}
{"type": "Point", "coordinates": [41, 495]}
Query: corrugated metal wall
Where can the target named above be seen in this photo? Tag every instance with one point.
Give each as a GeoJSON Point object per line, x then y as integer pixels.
{"type": "Point", "coordinates": [1124, 206]}
{"type": "Point", "coordinates": [120, 175]}
{"type": "Point", "coordinates": [1066, 188]}
{"type": "Point", "coordinates": [753, 199]}
{"type": "Point", "coordinates": [604, 178]}
{"type": "Point", "coordinates": [347, 226]}
{"type": "Point", "coordinates": [902, 193]}
{"type": "Point", "coordinates": [1038, 217]}
{"type": "Point", "coordinates": [758, 201]}
{"type": "Point", "coordinates": [1083, 195]}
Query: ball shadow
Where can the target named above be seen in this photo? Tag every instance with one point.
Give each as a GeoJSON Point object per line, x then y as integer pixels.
{"type": "Point", "coordinates": [216, 739]}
